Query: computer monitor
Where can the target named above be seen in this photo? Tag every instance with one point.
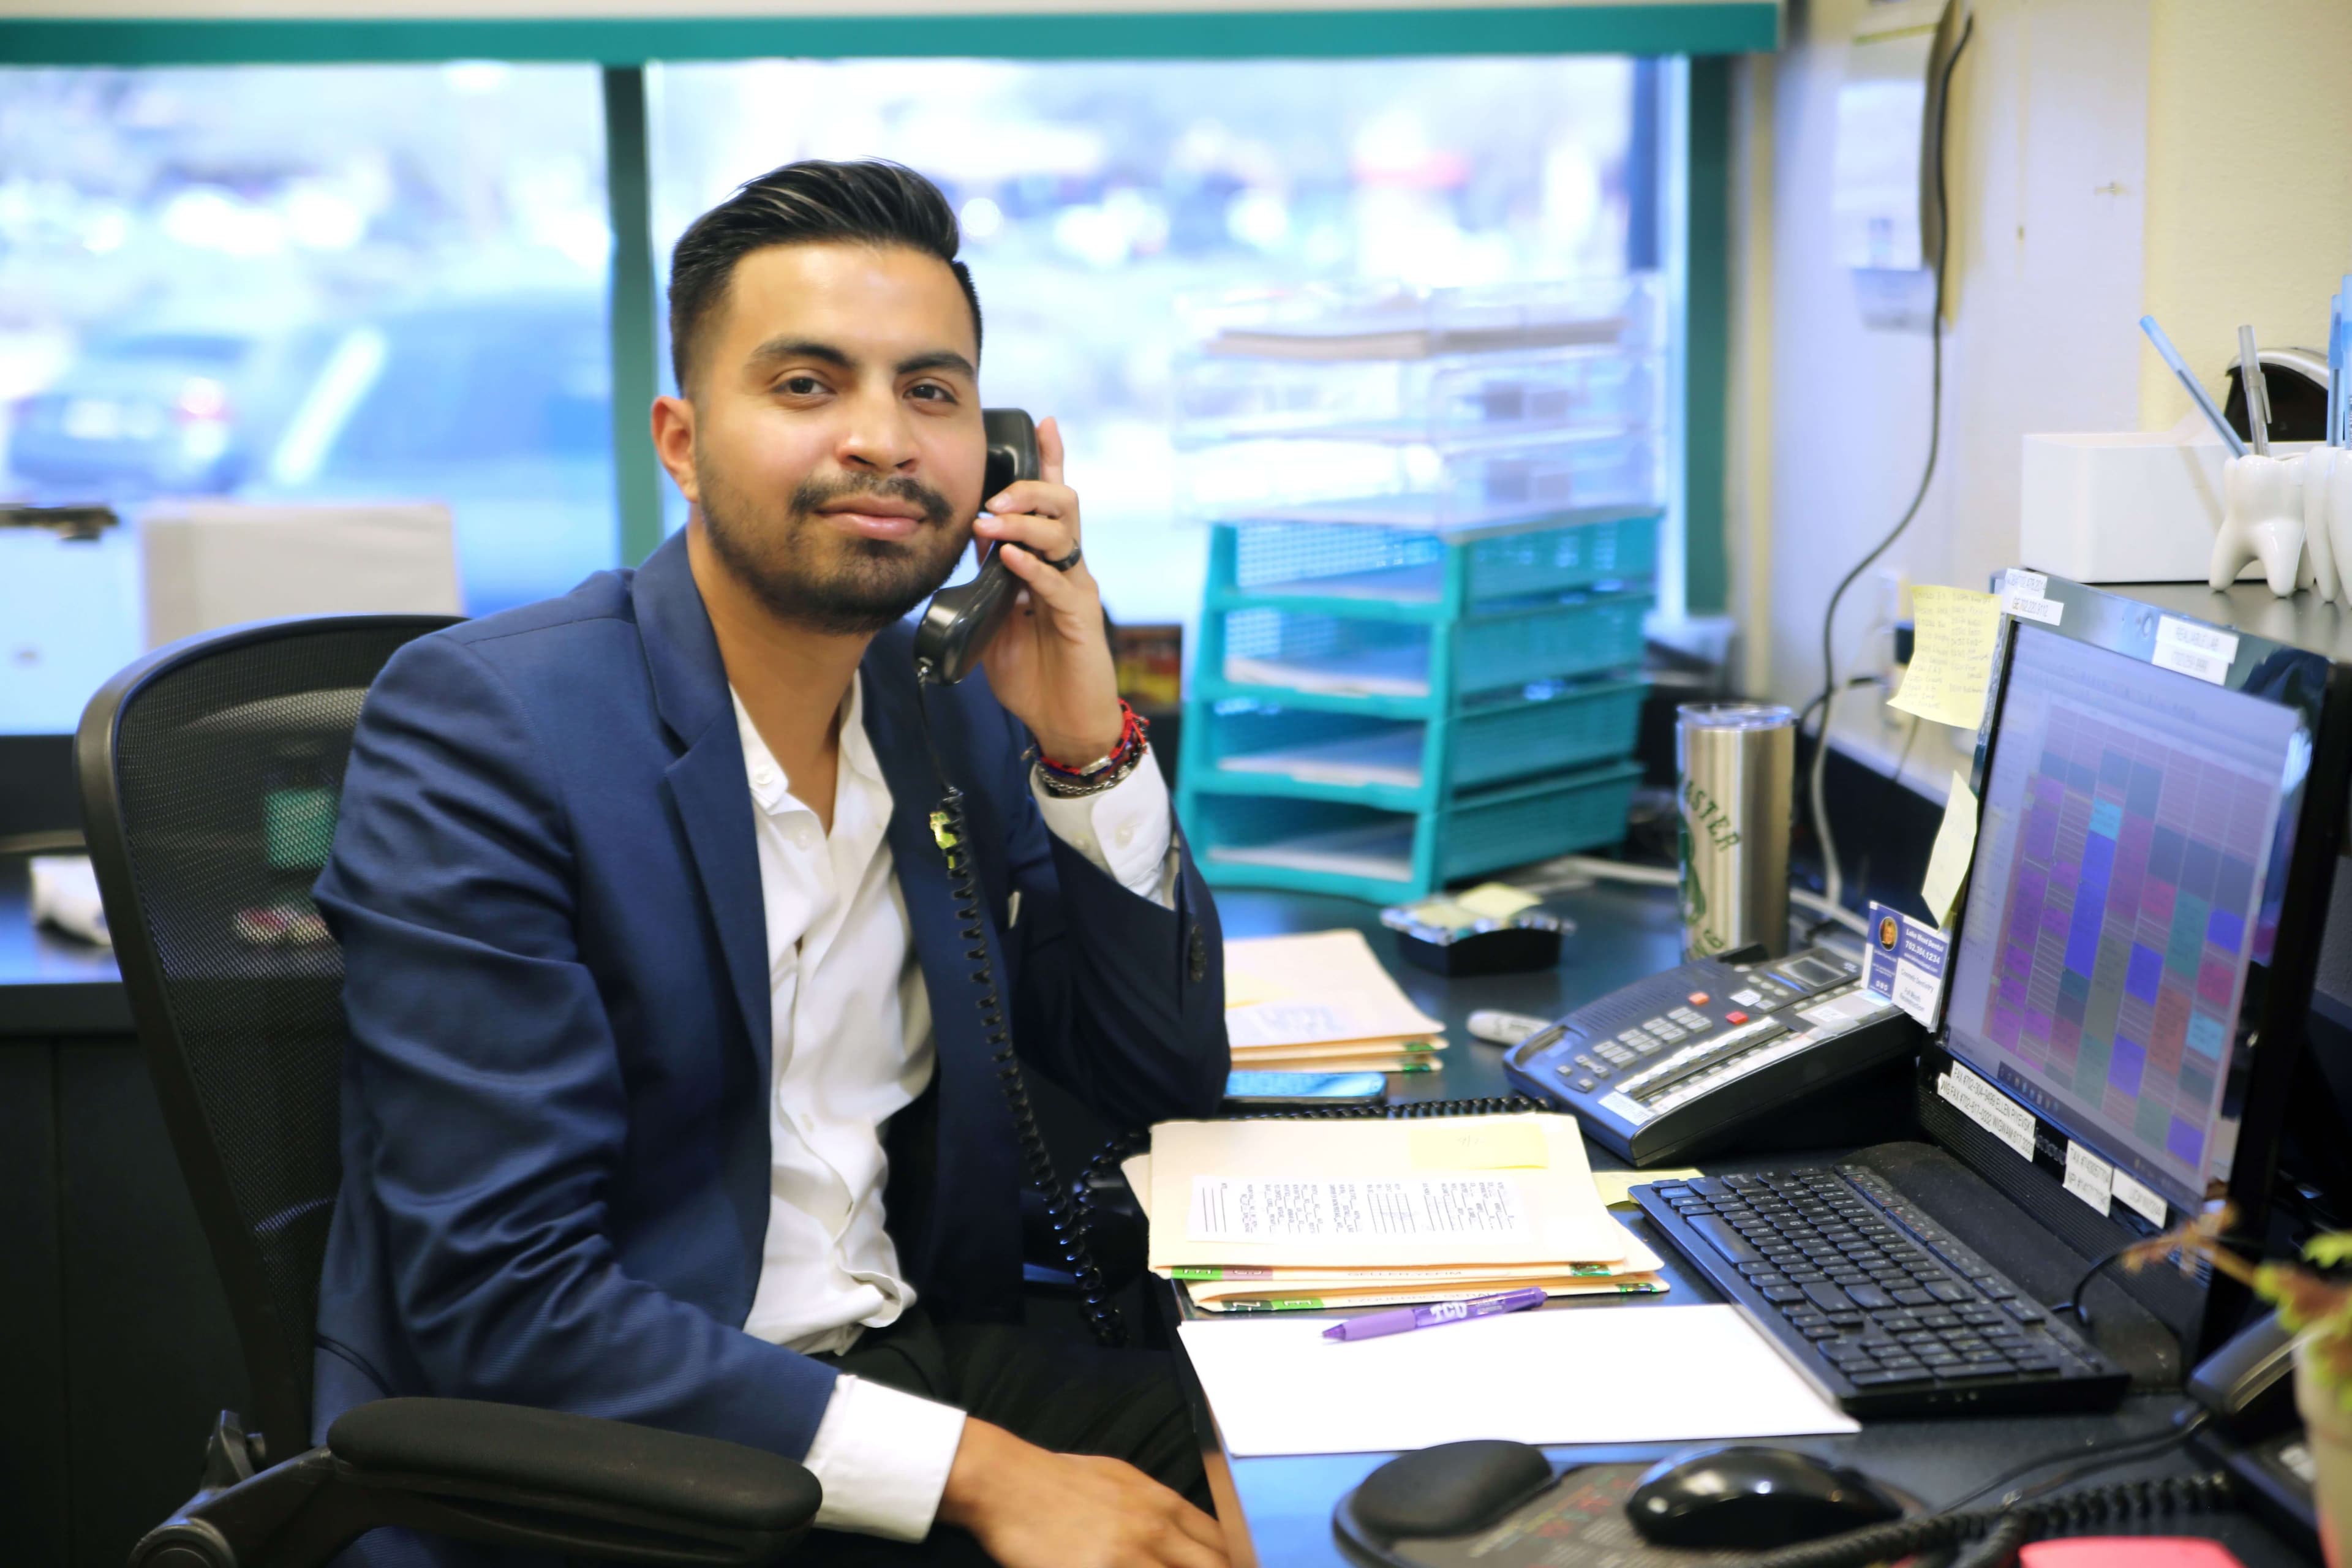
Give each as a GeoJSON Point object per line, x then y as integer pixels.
{"type": "Point", "coordinates": [2161, 812]}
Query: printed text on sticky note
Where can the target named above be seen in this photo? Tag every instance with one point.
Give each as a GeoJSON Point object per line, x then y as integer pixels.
{"type": "Point", "coordinates": [1479, 1145]}
{"type": "Point", "coordinates": [1955, 845]}
{"type": "Point", "coordinates": [1951, 655]}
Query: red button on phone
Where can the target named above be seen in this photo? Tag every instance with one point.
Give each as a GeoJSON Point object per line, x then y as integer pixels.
{"type": "Point", "coordinates": [1735, 1017]}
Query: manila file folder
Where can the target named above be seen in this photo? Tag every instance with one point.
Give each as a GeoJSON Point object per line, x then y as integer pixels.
{"type": "Point", "coordinates": [1377, 1194]}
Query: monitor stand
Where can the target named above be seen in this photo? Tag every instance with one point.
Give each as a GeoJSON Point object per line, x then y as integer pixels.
{"type": "Point", "coordinates": [2040, 1265]}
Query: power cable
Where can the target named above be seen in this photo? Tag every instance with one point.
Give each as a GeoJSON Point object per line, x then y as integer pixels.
{"type": "Point", "coordinates": [1832, 876]}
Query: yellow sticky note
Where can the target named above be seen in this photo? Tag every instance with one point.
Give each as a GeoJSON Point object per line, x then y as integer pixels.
{"type": "Point", "coordinates": [1478, 1145]}
{"type": "Point", "coordinates": [1956, 846]}
{"type": "Point", "coordinates": [1495, 900]}
{"type": "Point", "coordinates": [1615, 1185]}
{"type": "Point", "coordinates": [1951, 655]}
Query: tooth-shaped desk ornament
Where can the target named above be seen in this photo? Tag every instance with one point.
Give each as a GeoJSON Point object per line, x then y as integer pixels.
{"type": "Point", "coordinates": [2327, 474]}
{"type": "Point", "coordinates": [2262, 519]}
{"type": "Point", "coordinates": [2322, 561]}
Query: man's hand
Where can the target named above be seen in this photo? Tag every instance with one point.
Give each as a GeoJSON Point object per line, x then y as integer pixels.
{"type": "Point", "coordinates": [1031, 1508]}
{"type": "Point", "coordinates": [1050, 664]}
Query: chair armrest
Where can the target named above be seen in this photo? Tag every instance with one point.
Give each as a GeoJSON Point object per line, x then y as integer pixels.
{"type": "Point", "coordinates": [506, 1474]}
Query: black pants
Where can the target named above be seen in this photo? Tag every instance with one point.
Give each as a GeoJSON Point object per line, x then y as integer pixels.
{"type": "Point", "coordinates": [1071, 1397]}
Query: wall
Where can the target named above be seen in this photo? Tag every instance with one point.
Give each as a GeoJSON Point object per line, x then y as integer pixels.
{"type": "Point", "coordinates": [2048, 129]}
{"type": "Point", "coordinates": [2250, 200]}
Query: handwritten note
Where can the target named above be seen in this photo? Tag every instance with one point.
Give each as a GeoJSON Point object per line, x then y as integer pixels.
{"type": "Point", "coordinates": [1494, 1144]}
{"type": "Point", "coordinates": [1955, 845]}
{"type": "Point", "coordinates": [1951, 655]}
{"type": "Point", "coordinates": [1424, 1208]}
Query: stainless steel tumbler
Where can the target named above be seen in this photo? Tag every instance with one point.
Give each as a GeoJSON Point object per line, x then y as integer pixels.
{"type": "Point", "coordinates": [1739, 763]}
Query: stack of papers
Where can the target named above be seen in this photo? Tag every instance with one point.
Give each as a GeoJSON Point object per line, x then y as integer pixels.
{"type": "Point", "coordinates": [1280, 1215]}
{"type": "Point", "coordinates": [1321, 1003]}
{"type": "Point", "coordinates": [1664, 1374]}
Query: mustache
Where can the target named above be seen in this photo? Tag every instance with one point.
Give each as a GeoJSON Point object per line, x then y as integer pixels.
{"type": "Point", "coordinates": [815, 493]}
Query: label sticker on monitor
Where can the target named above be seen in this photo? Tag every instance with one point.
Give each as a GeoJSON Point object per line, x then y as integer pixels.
{"type": "Point", "coordinates": [2021, 595]}
{"type": "Point", "coordinates": [2141, 1198]}
{"type": "Point", "coordinates": [2088, 1177]}
{"type": "Point", "coordinates": [1989, 1108]}
{"type": "Point", "coordinates": [2204, 652]}
{"type": "Point", "coordinates": [1906, 964]}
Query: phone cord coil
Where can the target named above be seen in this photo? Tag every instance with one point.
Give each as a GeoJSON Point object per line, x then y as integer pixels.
{"type": "Point", "coordinates": [1066, 1211]}
{"type": "Point", "coordinates": [1991, 1536]}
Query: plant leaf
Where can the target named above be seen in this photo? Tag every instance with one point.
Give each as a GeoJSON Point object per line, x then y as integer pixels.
{"type": "Point", "coordinates": [2330, 1250]}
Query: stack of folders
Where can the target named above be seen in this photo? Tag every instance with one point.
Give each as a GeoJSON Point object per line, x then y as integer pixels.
{"type": "Point", "coordinates": [1321, 1003]}
{"type": "Point", "coordinates": [1277, 1215]}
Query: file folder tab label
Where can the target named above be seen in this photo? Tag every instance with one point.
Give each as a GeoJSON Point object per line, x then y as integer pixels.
{"type": "Point", "coordinates": [1427, 1208]}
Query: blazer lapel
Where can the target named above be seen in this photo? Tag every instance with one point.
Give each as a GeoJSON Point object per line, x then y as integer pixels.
{"type": "Point", "coordinates": [973, 1219]}
{"type": "Point", "coordinates": [706, 786]}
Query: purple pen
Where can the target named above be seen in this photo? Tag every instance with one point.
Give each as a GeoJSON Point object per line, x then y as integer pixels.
{"type": "Point", "coordinates": [1372, 1325]}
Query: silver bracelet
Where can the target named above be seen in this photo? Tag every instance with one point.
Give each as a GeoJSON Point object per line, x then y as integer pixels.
{"type": "Point", "coordinates": [1062, 787]}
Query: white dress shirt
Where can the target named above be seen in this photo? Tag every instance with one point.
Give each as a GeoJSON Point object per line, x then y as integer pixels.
{"type": "Point", "coordinates": [852, 1026]}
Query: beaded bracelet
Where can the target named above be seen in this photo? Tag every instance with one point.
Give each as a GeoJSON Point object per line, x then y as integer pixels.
{"type": "Point", "coordinates": [1065, 782]}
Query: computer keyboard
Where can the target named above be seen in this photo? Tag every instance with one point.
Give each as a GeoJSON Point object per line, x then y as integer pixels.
{"type": "Point", "coordinates": [1873, 1300]}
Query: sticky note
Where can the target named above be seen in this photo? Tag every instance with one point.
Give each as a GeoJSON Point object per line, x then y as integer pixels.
{"type": "Point", "coordinates": [1955, 845]}
{"type": "Point", "coordinates": [1951, 655]}
{"type": "Point", "coordinates": [1482, 1143]}
{"type": "Point", "coordinates": [1495, 900]}
{"type": "Point", "coordinates": [1615, 1186]}
{"type": "Point", "coordinates": [2088, 1177]}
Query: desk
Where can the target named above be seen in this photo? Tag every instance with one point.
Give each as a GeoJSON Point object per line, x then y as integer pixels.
{"type": "Point", "coordinates": [118, 1344]}
{"type": "Point", "coordinates": [1277, 1511]}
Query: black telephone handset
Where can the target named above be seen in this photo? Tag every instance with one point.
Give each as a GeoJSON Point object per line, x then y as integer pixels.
{"type": "Point", "coordinates": [961, 620]}
{"type": "Point", "coordinates": [2252, 1429]}
{"type": "Point", "coordinates": [955, 630]}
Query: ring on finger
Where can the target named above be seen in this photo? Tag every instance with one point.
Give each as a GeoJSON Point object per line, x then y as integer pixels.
{"type": "Point", "coordinates": [1067, 562]}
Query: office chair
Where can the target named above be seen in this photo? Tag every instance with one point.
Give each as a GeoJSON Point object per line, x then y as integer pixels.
{"type": "Point", "coordinates": [210, 774]}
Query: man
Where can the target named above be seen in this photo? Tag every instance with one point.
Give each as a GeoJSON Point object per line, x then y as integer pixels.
{"type": "Point", "coordinates": [670, 1096]}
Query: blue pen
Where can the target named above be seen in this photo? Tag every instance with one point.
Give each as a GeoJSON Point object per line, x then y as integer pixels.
{"type": "Point", "coordinates": [1372, 1325]}
{"type": "Point", "coordinates": [2230, 437]}
{"type": "Point", "coordinates": [2339, 340]}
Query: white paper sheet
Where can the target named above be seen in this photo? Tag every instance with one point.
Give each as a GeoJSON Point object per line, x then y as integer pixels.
{"type": "Point", "coordinates": [1595, 1374]}
{"type": "Point", "coordinates": [1434, 1209]}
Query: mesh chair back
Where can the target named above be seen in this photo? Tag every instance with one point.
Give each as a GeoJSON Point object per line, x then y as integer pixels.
{"type": "Point", "coordinates": [210, 774]}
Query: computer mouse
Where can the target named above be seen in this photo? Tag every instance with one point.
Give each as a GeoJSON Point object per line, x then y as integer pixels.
{"type": "Point", "coordinates": [1753, 1496]}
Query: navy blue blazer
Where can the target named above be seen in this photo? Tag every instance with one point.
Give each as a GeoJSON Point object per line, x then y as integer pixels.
{"type": "Point", "coordinates": [555, 1099]}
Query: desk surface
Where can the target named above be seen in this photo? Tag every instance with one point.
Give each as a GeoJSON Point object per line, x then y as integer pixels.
{"type": "Point", "coordinates": [51, 985]}
{"type": "Point", "coordinates": [1284, 1504]}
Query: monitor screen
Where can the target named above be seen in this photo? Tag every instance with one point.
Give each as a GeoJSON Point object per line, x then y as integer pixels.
{"type": "Point", "coordinates": [2128, 870]}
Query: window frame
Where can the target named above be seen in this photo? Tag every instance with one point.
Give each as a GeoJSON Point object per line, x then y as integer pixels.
{"type": "Point", "coordinates": [1700, 35]}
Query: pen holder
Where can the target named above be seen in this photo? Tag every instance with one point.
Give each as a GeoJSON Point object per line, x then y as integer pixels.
{"type": "Point", "coordinates": [2261, 521]}
{"type": "Point", "coordinates": [2321, 559]}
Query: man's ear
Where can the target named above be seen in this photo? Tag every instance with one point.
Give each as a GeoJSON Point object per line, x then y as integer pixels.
{"type": "Point", "coordinates": [673, 426]}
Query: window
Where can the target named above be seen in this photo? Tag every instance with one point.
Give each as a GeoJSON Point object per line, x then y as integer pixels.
{"type": "Point", "coordinates": [296, 283]}
{"type": "Point", "coordinates": [1096, 198]}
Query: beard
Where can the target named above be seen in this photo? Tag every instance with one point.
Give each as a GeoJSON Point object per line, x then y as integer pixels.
{"type": "Point", "coordinates": [806, 572]}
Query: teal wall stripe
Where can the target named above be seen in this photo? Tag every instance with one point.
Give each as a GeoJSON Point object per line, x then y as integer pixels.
{"type": "Point", "coordinates": [636, 379]}
{"type": "Point", "coordinates": [1705, 340]}
{"type": "Point", "coordinates": [1728, 26]}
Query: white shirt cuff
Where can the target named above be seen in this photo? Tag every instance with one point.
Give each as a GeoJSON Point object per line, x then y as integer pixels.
{"type": "Point", "coordinates": [882, 1456]}
{"type": "Point", "coordinates": [1129, 830]}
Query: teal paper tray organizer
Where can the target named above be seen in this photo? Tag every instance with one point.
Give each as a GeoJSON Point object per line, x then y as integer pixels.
{"type": "Point", "coordinates": [1433, 539]}
{"type": "Point", "coordinates": [1380, 744]}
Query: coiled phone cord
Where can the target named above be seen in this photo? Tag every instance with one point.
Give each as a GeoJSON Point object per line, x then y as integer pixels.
{"type": "Point", "coordinates": [1064, 1210]}
{"type": "Point", "coordinates": [1991, 1536]}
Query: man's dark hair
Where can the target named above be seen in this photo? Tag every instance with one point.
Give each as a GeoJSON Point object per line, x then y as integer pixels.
{"type": "Point", "coordinates": [813, 202]}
